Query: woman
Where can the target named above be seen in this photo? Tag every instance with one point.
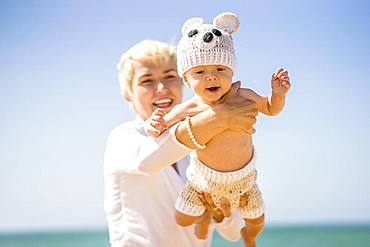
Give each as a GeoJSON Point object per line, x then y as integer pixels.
{"type": "Point", "coordinates": [141, 186]}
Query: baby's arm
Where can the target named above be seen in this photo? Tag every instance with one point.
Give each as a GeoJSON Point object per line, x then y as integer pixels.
{"type": "Point", "coordinates": [155, 124]}
{"type": "Point", "coordinates": [274, 103]}
{"type": "Point", "coordinates": [159, 121]}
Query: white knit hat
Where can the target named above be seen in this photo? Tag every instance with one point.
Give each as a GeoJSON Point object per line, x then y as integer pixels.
{"type": "Point", "coordinates": [206, 44]}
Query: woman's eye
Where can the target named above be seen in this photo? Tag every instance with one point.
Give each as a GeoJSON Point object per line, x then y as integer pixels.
{"type": "Point", "coordinates": [169, 77]}
{"type": "Point", "coordinates": [199, 72]}
{"type": "Point", "coordinates": [146, 82]}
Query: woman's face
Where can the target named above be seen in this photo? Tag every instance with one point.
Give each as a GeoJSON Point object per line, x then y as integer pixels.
{"type": "Point", "coordinates": [155, 86]}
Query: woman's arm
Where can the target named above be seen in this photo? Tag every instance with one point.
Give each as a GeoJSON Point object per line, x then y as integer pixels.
{"type": "Point", "coordinates": [130, 150]}
{"type": "Point", "coordinates": [235, 112]}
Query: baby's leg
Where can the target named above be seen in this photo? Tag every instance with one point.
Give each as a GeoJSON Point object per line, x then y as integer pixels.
{"type": "Point", "coordinates": [189, 208]}
{"type": "Point", "coordinates": [253, 227]}
{"type": "Point", "coordinates": [202, 222]}
{"type": "Point", "coordinates": [185, 219]}
{"type": "Point", "coordinates": [201, 227]}
{"type": "Point", "coordinates": [252, 208]}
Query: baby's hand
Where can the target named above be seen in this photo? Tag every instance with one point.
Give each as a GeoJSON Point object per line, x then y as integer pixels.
{"type": "Point", "coordinates": [155, 125]}
{"type": "Point", "coordinates": [280, 83]}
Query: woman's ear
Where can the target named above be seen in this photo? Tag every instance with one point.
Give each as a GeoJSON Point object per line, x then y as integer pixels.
{"type": "Point", "coordinates": [127, 96]}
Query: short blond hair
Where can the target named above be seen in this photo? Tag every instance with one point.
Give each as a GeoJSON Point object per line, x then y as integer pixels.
{"type": "Point", "coordinates": [146, 51]}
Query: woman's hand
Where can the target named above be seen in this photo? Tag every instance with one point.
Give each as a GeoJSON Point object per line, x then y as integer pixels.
{"type": "Point", "coordinates": [218, 214]}
{"type": "Point", "coordinates": [238, 112]}
{"type": "Point", "coordinates": [234, 112]}
{"type": "Point", "coordinates": [212, 211]}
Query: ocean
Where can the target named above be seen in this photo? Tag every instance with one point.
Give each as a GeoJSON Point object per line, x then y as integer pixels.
{"type": "Point", "coordinates": [287, 236]}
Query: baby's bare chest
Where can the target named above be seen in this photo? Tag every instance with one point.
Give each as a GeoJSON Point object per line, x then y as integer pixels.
{"type": "Point", "coordinates": [228, 151]}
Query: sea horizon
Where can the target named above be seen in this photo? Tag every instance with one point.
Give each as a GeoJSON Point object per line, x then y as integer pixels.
{"type": "Point", "coordinates": [288, 235]}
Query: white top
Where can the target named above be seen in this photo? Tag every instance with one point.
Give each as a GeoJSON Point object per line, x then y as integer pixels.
{"type": "Point", "coordinates": [141, 189]}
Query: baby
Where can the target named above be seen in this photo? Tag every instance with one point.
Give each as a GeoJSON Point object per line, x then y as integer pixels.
{"type": "Point", "coordinates": [225, 168]}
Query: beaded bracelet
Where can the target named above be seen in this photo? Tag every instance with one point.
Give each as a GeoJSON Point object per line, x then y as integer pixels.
{"type": "Point", "coordinates": [191, 135]}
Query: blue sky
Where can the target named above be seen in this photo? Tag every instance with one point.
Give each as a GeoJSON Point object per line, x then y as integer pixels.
{"type": "Point", "coordinates": [60, 98]}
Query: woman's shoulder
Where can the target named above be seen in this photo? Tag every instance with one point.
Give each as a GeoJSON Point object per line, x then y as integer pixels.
{"type": "Point", "coordinates": [134, 126]}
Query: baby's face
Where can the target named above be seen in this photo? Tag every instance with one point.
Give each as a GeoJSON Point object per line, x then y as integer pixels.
{"type": "Point", "coordinates": [210, 82]}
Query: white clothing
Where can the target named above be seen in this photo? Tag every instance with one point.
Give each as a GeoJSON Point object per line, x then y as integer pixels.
{"type": "Point", "coordinates": [141, 189]}
{"type": "Point", "coordinates": [229, 185]}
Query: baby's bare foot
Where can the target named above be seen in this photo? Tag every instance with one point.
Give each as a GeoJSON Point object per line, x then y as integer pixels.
{"type": "Point", "coordinates": [201, 231]}
{"type": "Point", "coordinates": [248, 242]}
{"type": "Point", "coordinates": [201, 227]}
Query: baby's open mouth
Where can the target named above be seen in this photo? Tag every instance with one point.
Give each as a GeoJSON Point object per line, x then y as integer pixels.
{"type": "Point", "coordinates": [213, 89]}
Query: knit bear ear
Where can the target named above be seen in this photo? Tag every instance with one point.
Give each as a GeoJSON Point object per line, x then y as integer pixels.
{"type": "Point", "coordinates": [227, 21]}
{"type": "Point", "coordinates": [191, 23]}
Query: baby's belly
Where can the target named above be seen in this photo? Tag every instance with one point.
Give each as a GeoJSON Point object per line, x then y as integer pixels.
{"type": "Point", "coordinates": [228, 151]}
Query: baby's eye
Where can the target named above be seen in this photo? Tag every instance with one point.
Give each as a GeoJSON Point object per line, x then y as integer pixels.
{"type": "Point", "coordinates": [220, 69]}
{"type": "Point", "coordinates": [199, 72]}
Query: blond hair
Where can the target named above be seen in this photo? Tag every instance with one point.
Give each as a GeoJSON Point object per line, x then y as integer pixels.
{"type": "Point", "coordinates": [147, 51]}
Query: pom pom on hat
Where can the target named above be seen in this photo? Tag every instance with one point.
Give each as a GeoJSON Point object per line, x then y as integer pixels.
{"type": "Point", "coordinates": [227, 21]}
{"type": "Point", "coordinates": [191, 23]}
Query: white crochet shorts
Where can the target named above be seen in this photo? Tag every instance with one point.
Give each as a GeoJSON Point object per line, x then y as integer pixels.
{"type": "Point", "coordinates": [230, 185]}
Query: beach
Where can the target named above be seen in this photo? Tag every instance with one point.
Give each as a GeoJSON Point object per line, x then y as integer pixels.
{"type": "Point", "coordinates": [287, 236]}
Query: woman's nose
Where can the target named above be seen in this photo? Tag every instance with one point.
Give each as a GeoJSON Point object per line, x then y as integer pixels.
{"type": "Point", "coordinates": [160, 86]}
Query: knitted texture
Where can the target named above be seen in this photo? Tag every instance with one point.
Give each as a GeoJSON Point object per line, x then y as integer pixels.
{"type": "Point", "coordinates": [230, 185]}
{"type": "Point", "coordinates": [207, 44]}
{"type": "Point", "coordinates": [188, 202]}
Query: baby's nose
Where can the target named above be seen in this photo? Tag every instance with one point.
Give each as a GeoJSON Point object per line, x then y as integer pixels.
{"type": "Point", "coordinates": [207, 37]}
{"type": "Point", "coordinates": [211, 78]}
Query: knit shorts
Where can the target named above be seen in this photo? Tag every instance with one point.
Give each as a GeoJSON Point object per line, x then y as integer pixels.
{"type": "Point", "coordinates": [230, 185]}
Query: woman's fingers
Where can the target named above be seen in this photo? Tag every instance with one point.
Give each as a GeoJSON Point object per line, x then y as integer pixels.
{"type": "Point", "coordinates": [233, 90]}
{"type": "Point", "coordinates": [251, 131]}
{"type": "Point", "coordinates": [207, 201]}
{"type": "Point", "coordinates": [217, 215]}
{"type": "Point", "coordinates": [226, 208]}
{"type": "Point", "coordinates": [243, 200]}
{"type": "Point", "coordinates": [201, 198]}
